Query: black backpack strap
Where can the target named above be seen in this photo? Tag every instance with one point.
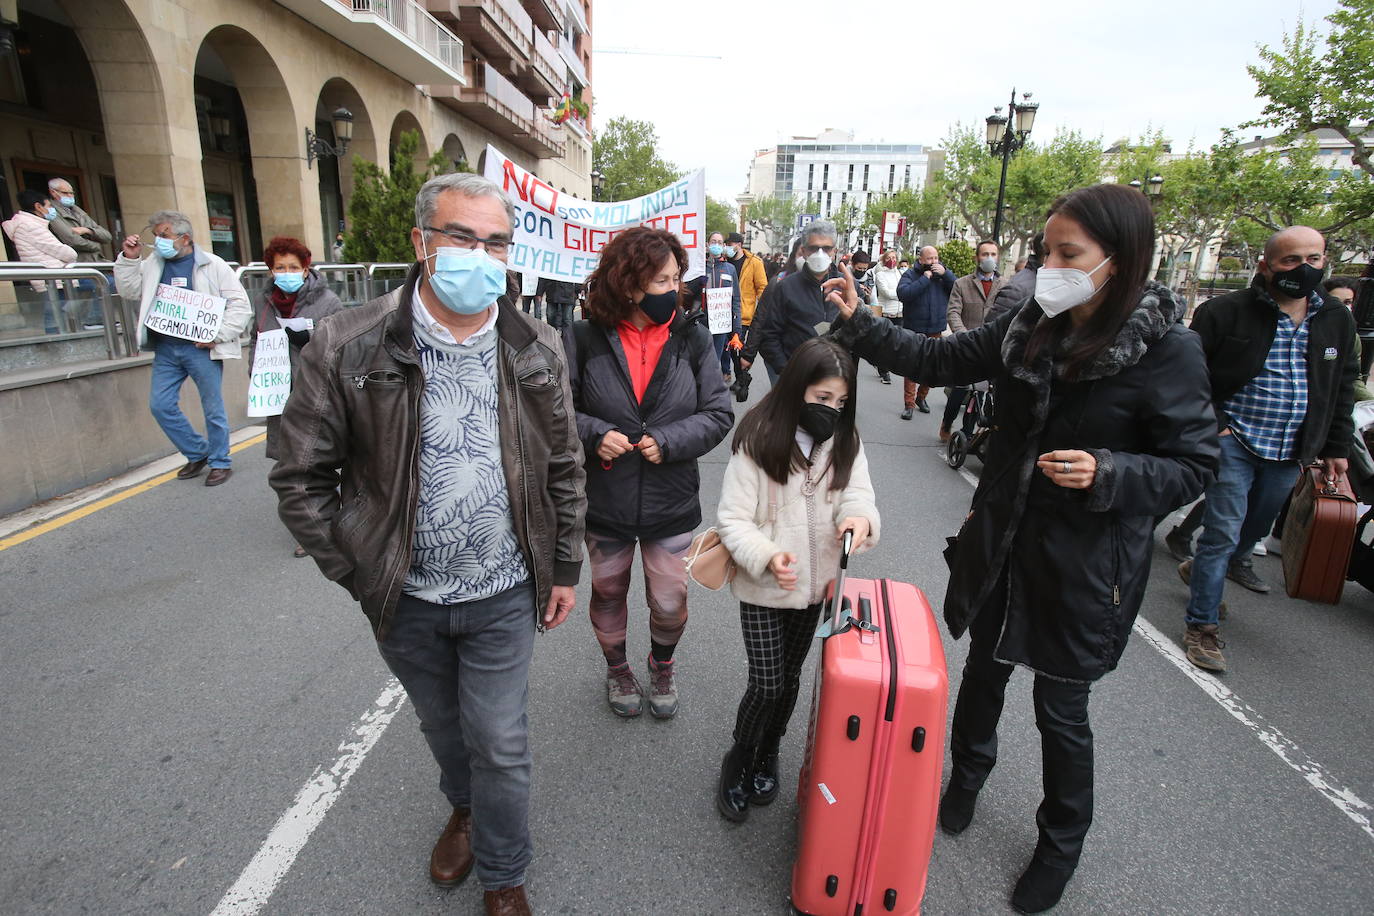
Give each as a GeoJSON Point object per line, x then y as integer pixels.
{"type": "Point", "coordinates": [582, 338]}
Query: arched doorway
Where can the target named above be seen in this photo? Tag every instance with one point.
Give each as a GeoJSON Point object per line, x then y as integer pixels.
{"type": "Point", "coordinates": [336, 174]}
{"type": "Point", "coordinates": [405, 122]}
{"type": "Point", "coordinates": [455, 153]}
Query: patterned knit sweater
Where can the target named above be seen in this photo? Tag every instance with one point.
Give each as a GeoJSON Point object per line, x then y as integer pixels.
{"type": "Point", "coordinates": [465, 546]}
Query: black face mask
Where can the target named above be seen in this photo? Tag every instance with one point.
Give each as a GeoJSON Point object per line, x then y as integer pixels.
{"type": "Point", "coordinates": [819, 421]}
{"type": "Point", "coordinates": [660, 307]}
{"type": "Point", "coordinates": [858, 271]}
{"type": "Point", "coordinates": [1299, 282]}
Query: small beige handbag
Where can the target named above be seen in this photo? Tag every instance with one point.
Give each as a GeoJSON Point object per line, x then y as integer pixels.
{"type": "Point", "coordinates": [709, 564]}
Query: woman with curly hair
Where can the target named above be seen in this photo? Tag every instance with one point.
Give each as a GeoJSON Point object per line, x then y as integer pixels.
{"type": "Point", "coordinates": [296, 291]}
{"type": "Point", "coordinates": [650, 401]}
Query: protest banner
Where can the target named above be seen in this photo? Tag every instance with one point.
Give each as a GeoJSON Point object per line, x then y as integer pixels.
{"type": "Point", "coordinates": [559, 236]}
{"type": "Point", "coordinates": [270, 384]}
{"type": "Point", "coordinates": [179, 311]}
{"type": "Point", "coordinates": [720, 318]}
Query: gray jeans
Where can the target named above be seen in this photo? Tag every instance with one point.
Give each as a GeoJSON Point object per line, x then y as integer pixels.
{"type": "Point", "coordinates": [466, 670]}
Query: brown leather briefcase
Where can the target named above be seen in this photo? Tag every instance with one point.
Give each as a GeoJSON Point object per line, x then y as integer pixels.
{"type": "Point", "coordinates": [1317, 537]}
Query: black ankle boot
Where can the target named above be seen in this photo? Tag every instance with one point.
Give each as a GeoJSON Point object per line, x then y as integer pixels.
{"type": "Point", "coordinates": [956, 809]}
{"type": "Point", "coordinates": [732, 792]}
{"type": "Point", "coordinates": [764, 774]}
{"type": "Point", "coordinates": [1040, 886]}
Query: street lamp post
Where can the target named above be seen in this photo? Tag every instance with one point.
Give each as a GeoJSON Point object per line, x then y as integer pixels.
{"type": "Point", "coordinates": [598, 182]}
{"type": "Point", "coordinates": [745, 201]}
{"type": "Point", "coordinates": [1003, 142]}
{"type": "Point", "coordinates": [317, 147]}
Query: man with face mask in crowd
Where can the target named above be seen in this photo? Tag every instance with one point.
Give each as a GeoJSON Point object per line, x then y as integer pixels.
{"type": "Point", "coordinates": [1283, 366]}
{"type": "Point", "coordinates": [443, 416]}
{"type": "Point", "coordinates": [798, 310]}
{"type": "Point", "coordinates": [924, 292]}
{"type": "Point", "coordinates": [968, 306]}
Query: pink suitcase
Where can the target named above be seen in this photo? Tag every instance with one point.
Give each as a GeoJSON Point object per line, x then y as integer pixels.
{"type": "Point", "coordinates": [870, 782]}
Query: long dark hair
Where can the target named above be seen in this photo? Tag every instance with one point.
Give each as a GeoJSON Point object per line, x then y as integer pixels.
{"type": "Point", "coordinates": [1119, 219]}
{"type": "Point", "coordinates": [768, 432]}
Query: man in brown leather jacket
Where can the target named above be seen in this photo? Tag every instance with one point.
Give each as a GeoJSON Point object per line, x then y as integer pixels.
{"type": "Point", "coordinates": [430, 464]}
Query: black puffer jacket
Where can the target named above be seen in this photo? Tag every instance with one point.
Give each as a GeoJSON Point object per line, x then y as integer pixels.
{"type": "Point", "coordinates": [792, 315]}
{"type": "Point", "coordinates": [686, 410]}
{"type": "Point", "coordinates": [1075, 561]}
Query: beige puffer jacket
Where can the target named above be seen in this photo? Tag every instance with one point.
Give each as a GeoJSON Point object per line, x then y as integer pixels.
{"type": "Point", "coordinates": [805, 525]}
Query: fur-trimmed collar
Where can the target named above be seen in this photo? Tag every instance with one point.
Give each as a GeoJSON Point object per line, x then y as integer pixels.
{"type": "Point", "coordinates": [1159, 309]}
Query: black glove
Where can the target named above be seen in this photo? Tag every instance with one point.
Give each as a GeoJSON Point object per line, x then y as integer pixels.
{"type": "Point", "coordinates": [297, 338]}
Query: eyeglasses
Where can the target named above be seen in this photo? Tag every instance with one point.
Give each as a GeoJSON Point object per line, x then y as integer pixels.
{"type": "Point", "coordinates": [812, 249]}
{"type": "Point", "coordinates": [496, 246]}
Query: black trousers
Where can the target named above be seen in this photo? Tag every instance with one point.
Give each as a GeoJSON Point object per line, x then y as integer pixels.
{"type": "Point", "coordinates": [776, 642]}
{"type": "Point", "coordinates": [1066, 739]}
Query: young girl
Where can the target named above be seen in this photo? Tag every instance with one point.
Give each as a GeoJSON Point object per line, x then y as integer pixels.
{"type": "Point", "coordinates": [797, 480]}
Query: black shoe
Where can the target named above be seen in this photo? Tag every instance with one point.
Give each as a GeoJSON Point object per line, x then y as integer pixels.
{"type": "Point", "coordinates": [1243, 574]}
{"type": "Point", "coordinates": [192, 469]}
{"type": "Point", "coordinates": [763, 786]}
{"type": "Point", "coordinates": [956, 810]}
{"type": "Point", "coordinates": [906, 414]}
{"type": "Point", "coordinates": [922, 406]}
{"type": "Point", "coordinates": [1180, 544]}
{"type": "Point", "coordinates": [732, 791]}
{"type": "Point", "coordinates": [1040, 887]}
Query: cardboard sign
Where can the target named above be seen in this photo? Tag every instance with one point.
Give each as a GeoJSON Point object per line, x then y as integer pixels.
{"type": "Point", "coordinates": [179, 311]}
{"type": "Point", "coordinates": [270, 384]}
{"type": "Point", "coordinates": [561, 237]}
{"type": "Point", "coordinates": [720, 317]}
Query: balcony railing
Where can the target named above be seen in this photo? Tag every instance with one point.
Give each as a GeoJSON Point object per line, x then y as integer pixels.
{"type": "Point", "coordinates": [502, 90]}
{"type": "Point", "coordinates": [549, 64]}
{"type": "Point", "coordinates": [547, 14]}
{"type": "Point", "coordinates": [412, 20]}
{"type": "Point", "coordinates": [578, 17]}
{"type": "Point", "coordinates": [568, 52]}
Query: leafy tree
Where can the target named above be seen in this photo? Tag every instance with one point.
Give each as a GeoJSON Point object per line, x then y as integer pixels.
{"type": "Point", "coordinates": [1307, 88]}
{"type": "Point", "coordinates": [381, 210]}
{"type": "Point", "coordinates": [958, 257]}
{"type": "Point", "coordinates": [847, 221]}
{"type": "Point", "coordinates": [720, 217]}
{"type": "Point", "coordinates": [1200, 200]}
{"type": "Point", "coordinates": [625, 152]}
{"type": "Point", "coordinates": [1138, 160]}
{"type": "Point", "coordinates": [776, 218]}
{"type": "Point", "coordinates": [924, 211]}
{"type": "Point", "coordinates": [1292, 186]}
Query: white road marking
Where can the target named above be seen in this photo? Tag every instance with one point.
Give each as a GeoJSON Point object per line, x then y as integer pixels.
{"type": "Point", "coordinates": [1346, 801]}
{"type": "Point", "coordinates": [276, 855]}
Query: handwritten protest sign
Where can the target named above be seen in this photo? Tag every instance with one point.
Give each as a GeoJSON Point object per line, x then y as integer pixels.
{"type": "Point", "coordinates": [178, 311]}
{"type": "Point", "coordinates": [560, 237]}
{"type": "Point", "coordinates": [719, 314]}
{"type": "Point", "coordinates": [270, 384]}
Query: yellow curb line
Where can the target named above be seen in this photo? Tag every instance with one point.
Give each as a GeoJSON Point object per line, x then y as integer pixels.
{"type": "Point", "coordinates": [90, 508]}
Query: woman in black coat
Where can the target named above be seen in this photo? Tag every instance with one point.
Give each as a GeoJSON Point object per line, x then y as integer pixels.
{"type": "Point", "coordinates": [650, 401]}
{"type": "Point", "coordinates": [1104, 423]}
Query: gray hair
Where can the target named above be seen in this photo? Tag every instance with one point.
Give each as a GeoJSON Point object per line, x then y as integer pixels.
{"type": "Point", "coordinates": [54, 182]}
{"type": "Point", "coordinates": [179, 223]}
{"type": "Point", "coordinates": [464, 183]}
{"type": "Point", "coordinates": [822, 228]}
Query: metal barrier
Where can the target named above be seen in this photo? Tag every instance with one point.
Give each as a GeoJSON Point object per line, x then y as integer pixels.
{"type": "Point", "coordinates": [111, 316]}
{"type": "Point", "coordinates": [380, 286]}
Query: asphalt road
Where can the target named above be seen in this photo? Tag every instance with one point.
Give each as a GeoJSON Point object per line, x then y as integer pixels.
{"type": "Point", "coordinates": [172, 678]}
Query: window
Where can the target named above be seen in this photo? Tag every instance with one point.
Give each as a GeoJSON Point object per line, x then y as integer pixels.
{"type": "Point", "coordinates": [829, 201]}
{"type": "Point", "coordinates": [850, 186]}
{"type": "Point", "coordinates": [825, 176]}
{"type": "Point", "coordinates": [810, 176]}
{"type": "Point", "coordinates": [865, 177]}
{"type": "Point", "coordinates": [906, 182]}
{"type": "Point", "coordinates": [892, 177]}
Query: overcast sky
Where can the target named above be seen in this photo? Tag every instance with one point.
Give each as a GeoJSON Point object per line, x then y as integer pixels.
{"type": "Point", "coordinates": [903, 72]}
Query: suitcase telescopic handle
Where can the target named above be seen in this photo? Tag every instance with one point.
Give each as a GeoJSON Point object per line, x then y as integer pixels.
{"type": "Point", "coordinates": [837, 601]}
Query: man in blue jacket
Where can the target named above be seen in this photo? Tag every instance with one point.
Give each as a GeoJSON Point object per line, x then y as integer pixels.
{"type": "Point", "coordinates": [924, 291]}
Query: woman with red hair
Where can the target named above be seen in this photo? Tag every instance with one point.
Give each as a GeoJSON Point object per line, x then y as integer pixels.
{"type": "Point", "coordinates": [650, 401]}
{"type": "Point", "coordinates": [296, 291]}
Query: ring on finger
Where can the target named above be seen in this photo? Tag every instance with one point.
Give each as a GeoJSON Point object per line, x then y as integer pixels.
{"type": "Point", "coordinates": [1067, 469]}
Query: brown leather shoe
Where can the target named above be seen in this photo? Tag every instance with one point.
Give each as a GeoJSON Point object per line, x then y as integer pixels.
{"type": "Point", "coordinates": [217, 476]}
{"type": "Point", "coordinates": [508, 901]}
{"type": "Point", "coordinates": [452, 857]}
{"type": "Point", "coordinates": [191, 469]}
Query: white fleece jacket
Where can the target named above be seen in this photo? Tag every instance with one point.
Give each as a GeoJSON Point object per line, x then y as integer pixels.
{"type": "Point", "coordinates": [806, 526]}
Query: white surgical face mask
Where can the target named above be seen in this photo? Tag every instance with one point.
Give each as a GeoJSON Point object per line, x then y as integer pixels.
{"type": "Point", "coordinates": [1058, 289]}
{"type": "Point", "coordinates": [818, 261]}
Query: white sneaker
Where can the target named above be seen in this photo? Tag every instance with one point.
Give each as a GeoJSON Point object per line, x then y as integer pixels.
{"type": "Point", "coordinates": [1260, 550]}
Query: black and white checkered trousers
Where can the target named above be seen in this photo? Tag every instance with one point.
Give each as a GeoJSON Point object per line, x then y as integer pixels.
{"type": "Point", "coordinates": [776, 641]}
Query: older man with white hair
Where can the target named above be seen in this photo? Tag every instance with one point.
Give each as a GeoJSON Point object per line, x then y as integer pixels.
{"type": "Point", "coordinates": [178, 262]}
{"type": "Point", "coordinates": [430, 464]}
{"type": "Point", "coordinates": [798, 311]}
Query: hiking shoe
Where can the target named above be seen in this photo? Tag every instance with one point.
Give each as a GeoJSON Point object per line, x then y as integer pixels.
{"type": "Point", "coordinates": [1185, 572]}
{"type": "Point", "coordinates": [922, 406]}
{"type": "Point", "coordinates": [1180, 544]}
{"type": "Point", "coordinates": [1203, 647]}
{"type": "Point", "coordinates": [662, 691]}
{"type": "Point", "coordinates": [623, 691]}
{"type": "Point", "coordinates": [907, 412]}
{"type": "Point", "coordinates": [1243, 574]}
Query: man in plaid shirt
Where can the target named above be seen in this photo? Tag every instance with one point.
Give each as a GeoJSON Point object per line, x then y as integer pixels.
{"type": "Point", "coordinates": [1282, 364]}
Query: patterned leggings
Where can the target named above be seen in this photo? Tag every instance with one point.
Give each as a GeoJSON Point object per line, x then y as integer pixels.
{"type": "Point", "coordinates": [776, 642]}
{"type": "Point", "coordinates": [665, 584]}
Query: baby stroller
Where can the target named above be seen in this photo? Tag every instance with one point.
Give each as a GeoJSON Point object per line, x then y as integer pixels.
{"type": "Point", "coordinates": [975, 428]}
